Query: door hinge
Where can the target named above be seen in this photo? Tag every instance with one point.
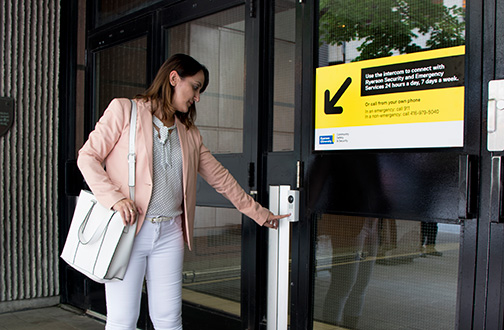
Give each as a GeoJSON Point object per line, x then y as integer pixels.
{"type": "Point", "coordinates": [252, 9]}
{"type": "Point", "coordinates": [251, 175]}
{"type": "Point", "coordinates": [299, 174]}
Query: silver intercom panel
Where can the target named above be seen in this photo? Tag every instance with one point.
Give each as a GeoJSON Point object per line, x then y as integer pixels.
{"type": "Point", "coordinates": [293, 205]}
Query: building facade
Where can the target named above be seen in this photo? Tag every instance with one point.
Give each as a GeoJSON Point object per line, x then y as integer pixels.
{"type": "Point", "coordinates": [380, 113]}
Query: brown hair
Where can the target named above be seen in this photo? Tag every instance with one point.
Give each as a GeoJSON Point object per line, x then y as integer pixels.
{"type": "Point", "coordinates": [160, 92]}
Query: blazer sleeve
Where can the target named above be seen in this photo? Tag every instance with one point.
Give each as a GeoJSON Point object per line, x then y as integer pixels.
{"type": "Point", "coordinates": [101, 142]}
{"type": "Point", "coordinates": [212, 171]}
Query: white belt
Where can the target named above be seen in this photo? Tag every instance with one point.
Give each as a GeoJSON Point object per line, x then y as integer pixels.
{"type": "Point", "coordinates": [159, 219]}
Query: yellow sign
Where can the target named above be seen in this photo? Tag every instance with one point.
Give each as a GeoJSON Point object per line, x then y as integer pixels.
{"type": "Point", "coordinates": [412, 89]}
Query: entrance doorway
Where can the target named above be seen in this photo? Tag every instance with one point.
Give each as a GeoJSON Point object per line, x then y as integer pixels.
{"type": "Point", "coordinates": [390, 236]}
{"type": "Point", "coordinates": [224, 274]}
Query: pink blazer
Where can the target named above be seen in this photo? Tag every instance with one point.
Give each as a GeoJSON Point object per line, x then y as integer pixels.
{"type": "Point", "coordinates": [107, 146]}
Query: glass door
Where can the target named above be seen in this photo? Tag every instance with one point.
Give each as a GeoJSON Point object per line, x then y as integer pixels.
{"type": "Point", "coordinates": [117, 66]}
{"type": "Point", "coordinates": [221, 288]}
{"type": "Point", "coordinates": [489, 283]}
{"type": "Point", "coordinates": [387, 210]}
{"type": "Point", "coordinates": [212, 269]}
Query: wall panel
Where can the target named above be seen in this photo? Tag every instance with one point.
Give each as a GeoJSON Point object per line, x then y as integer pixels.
{"type": "Point", "coordinates": [29, 64]}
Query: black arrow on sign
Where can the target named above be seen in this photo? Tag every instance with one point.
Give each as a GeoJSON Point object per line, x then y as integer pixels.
{"type": "Point", "coordinates": [329, 105]}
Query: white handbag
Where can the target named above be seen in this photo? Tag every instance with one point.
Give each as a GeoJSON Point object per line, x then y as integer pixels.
{"type": "Point", "coordinates": [98, 244]}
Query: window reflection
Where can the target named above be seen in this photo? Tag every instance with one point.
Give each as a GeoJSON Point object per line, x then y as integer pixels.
{"type": "Point", "coordinates": [385, 274]}
{"type": "Point", "coordinates": [429, 232]}
{"type": "Point", "coordinates": [121, 72]}
{"type": "Point", "coordinates": [354, 249]}
{"type": "Point", "coordinates": [284, 78]}
{"type": "Point", "coordinates": [217, 41]}
{"type": "Point", "coordinates": [385, 28]}
{"type": "Point", "coordinates": [212, 270]}
{"type": "Point", "coordinates": [109, 10]}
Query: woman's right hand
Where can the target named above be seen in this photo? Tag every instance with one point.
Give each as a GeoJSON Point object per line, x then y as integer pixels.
{"type": "Point", "coordinates": [128, 211]}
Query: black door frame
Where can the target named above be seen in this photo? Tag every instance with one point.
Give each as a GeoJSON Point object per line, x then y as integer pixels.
{"type": "Point", "coordinates": [286, 167]}
{"type": "Point", "coordinates": [470, 252]}
{"type": "Point", "coordinates": [68, 186]}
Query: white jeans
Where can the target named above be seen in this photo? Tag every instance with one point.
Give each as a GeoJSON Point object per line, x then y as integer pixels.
{"type": "Point", "coordinates": [157, 255]}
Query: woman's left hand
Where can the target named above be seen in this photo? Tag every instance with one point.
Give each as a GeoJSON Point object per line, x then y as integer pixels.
{"type": "Point", "coordinates": [272, 221]}
{"type": "Point", "coordinates": [128, 211]}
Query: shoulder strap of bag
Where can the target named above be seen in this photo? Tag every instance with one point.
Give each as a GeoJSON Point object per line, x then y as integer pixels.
{"type": "Point", "coordinates": [131, 154]}
{"type": "Point", "coordinates": [131, 182]}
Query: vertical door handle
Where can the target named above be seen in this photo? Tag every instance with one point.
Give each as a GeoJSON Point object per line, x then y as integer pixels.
{"type": "Point", "coordinates": [496, 190]}
{"type": "Point", "coordinates": [278, 262]}
{"type": "Point", "coordinates": [468, 183]}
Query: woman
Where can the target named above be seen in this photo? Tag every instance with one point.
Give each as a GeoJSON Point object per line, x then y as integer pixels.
{"type": "Point", "coordinates": [169, 155]}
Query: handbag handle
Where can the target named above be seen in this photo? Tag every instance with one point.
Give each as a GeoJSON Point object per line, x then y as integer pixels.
{"type": "Point", "coordinates": [98, 232]}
